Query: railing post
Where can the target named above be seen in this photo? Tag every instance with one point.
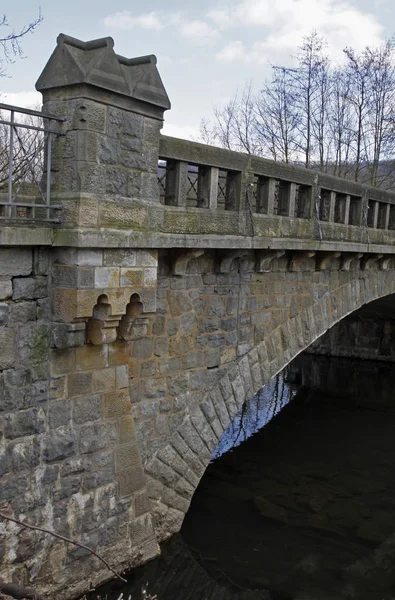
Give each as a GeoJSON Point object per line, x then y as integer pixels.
{"type": "Point", "coordinates": [10, 166]}
{"type": "Point", "coordinates": [347, 209]}
{"type": "Point", "coordinates": [387, 217]}
{"type": "Point", "coordinates": [291, 199]}
{"type": "Point", "coordinates": [208, 187]}
{"type": "Point", "coordinates": [265, 197]}
{"type": "Point", "coordinates": [233, 191]}
{"type": "Point", "coordinates": [332, 202]}
{"type": "Point", "coordinates": [176, 183]}
{"type": "Point", "coordinates": [374, 206]}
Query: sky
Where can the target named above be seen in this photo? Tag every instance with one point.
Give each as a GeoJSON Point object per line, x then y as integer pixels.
{"type": "Point", "coordinates": [205, 50]}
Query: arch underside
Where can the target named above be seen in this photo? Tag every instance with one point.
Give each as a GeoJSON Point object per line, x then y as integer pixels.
{"type": "Point", "coordinates": [175, 470]}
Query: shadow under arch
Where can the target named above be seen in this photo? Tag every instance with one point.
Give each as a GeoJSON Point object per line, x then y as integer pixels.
{"type": "Point", "coordinates": [175, 470]}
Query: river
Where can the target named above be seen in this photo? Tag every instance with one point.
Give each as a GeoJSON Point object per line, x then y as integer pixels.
{"type": "Point", "coordinates": [298, 502]}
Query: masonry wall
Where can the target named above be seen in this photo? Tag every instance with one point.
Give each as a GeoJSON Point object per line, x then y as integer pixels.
{"type": "Point", "coordinates": [121, 369]}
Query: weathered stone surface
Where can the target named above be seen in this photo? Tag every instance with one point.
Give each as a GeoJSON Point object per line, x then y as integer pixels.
{"type": "Point", "coordinates": [15, 262]}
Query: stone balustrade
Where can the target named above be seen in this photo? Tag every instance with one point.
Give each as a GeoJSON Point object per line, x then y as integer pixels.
{"type": "Point", "coordinates": [196, 176]}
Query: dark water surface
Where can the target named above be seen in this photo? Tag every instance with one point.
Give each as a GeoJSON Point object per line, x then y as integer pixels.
{"type": "Point", "coordinates": [305, 508]}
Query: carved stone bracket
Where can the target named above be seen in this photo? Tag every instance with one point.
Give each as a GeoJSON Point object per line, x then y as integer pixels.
{"type": "Point", "coordinates": [299, 260]}
{"type": "Point", "coordinates": [180, 263]}
{"type": "Point", "coordinates": [371, 261]}
{"type": "Point", "coordinates": [227, 259]}
{"type": "Point", "coordinates": [324, 259]}
{"type": "Point", "coordinates": [265, 258]}
{"type": "Point", "coordinates": [385, 263]}
{"type": "Point", "coordinates": [348, 258]}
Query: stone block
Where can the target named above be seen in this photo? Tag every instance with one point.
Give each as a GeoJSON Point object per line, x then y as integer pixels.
{"type": "Point", "coordinates": [104, 380]}
{"type": "Point", "coordinates": [15, 262]}
{"type": "Point", "coordinates": [22, 312]}
{"type": "Point", "coordinates": [180, 345]}
{"type": "Point", "coordinates": [62, 361]}
{"type": "Point", "coordinates": [150, 277]}
{"type": "Point", "coordinates": [65, 304]}
{"type": "Point", "coordinates": [26, 454]}
{"type": "Point", "coordinates": [29, 288]}
{"type": "Point", "coordinates": [106, 277]}
{"type": "Point", "coordinates": [79, 384]}
{"type": "Point", "coordinates": [131, 277]}
{"type": "Point", "coordinates": [96, 436]}
{"type": "Point", "coordinates": [116, 404]}
{"type": "Point", "coordinates": [179, 303]}
{"type": "Point", "coordinates": [58, 413]}
{"type": "Point", "coordinates": [178, 383]}
{"type": "Point", "coordinates": [147, 258]}
{"type": "Point", "coordinates": [141, 504]}
{"type": "Point", "coordinates": [88, 408]}
{"type": "Point", "coordinates": [89, 358]}
{"type": "Point", "coordinates": [122, 216]}
{"type": "Point", "coordinates": [57, 388]}
{"type": "Point", "coordinates": [59, 445]}
{"type": "Point", "coordinates": [7, 347]}
{"type": "Point", "coordinates": [149, 409]}
{"type": "Point", "coordinates": [5, 288]}
{"type": "Point", "coordinates": [64, 335]}
{"type": "Point", "coordinates": [4, 313]}
{"type": "Point", "coordinates": [212, 358]}
{"type": "Point", "coordinates": [142, 348]}
{"type": "Point", "coordinates": [192, 360]}
{"type": "Point", "coordinates": [132, 480]}
{"type": "Point", "coordinates": [126, 429]}
{"type": "Point", "coordinates": [122, 376]}
{"type": "Point", "coordinates": [127, 456]}
{"type": "Point", "coordinates": [120, 257]}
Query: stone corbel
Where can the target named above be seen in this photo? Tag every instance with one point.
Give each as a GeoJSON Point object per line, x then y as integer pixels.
{"type": "Point", "coordinates": [348, 258]}
{"type": "Point", "coordinates": [227, 259]}
{"type": "Point", "coordinates": [265, 258]}
{"type": "Point", "coordinates": [371, 261]}
{"type": "Point", "coordinates": [67, 335]}
{"type": "Point", "coordinates": [298, 260]}
{"type": "Point", "coordinates": [385, 263]}
{"type": "Point", "coordinates": [324, 260]}
{"type": "Point", "coordinates": [180, 263]}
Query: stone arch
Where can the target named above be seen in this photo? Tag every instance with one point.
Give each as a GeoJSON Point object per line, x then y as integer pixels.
{"type": "Point", "coordinates": [132, 326]}
{"type": "Point", "coordinates": [174, 472]}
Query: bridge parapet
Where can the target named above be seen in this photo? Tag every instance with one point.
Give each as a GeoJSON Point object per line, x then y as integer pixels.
{"type": "Point", "coordinates": [248, 195]}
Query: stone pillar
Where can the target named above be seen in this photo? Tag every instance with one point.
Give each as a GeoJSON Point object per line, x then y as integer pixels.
{"type": "Point", "coordinates": [105, 165]}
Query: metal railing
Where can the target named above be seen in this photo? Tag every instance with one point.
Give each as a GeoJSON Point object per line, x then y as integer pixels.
{"type": "Point", "coordinates": [26, 164]}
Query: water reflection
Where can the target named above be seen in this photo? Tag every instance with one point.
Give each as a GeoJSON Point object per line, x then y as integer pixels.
{"type": "Point", "coordinates": [256, 413]}
{"type": "Point", "coordinates": [304, 509]}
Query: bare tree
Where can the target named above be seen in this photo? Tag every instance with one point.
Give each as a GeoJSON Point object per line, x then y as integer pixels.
{"type": "Point", "coordinates": [10, 42]}
{"type": "Point", "coordinates": [340, 120]}
{"type": "Point", "coordinates": [277, 119]}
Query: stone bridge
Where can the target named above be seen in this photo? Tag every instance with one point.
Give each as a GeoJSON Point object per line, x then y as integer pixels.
{"type": "Point", "coordinates": [174, 281]}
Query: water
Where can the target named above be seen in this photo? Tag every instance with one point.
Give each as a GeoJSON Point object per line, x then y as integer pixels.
{"type": "Point", "coordinates": [304, 508]}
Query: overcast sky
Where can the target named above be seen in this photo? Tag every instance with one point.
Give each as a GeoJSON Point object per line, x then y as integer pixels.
{"type": "Point", "coordinates": [205, 49]}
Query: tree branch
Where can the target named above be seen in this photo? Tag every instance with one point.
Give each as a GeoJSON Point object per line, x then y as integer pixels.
{"type": "Point", "coordinates": [61, 537]}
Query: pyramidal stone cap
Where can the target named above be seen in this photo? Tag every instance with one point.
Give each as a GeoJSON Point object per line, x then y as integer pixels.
{"type": "Point", "coordinates": [75, 63]}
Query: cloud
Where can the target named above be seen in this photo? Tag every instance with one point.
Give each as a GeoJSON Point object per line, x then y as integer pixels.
{"type": "Point", "coordinates": [197, 32]}
{"type": "Point", "coordinates": [186, 132]}
{"type": "Point", "coordinates": [283, 24]}
{"type": "Point", "coordinates": [126, 20]}
{"type": "Point", "coordinates": [234, 51]}
{"type": "Point", "coordinates": [31, 99]}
